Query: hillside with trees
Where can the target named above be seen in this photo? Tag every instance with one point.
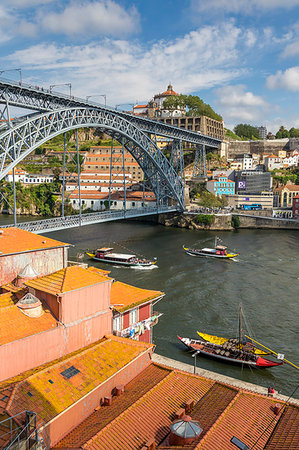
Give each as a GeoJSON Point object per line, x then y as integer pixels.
{"type": "Point", "coordinates": [194, 105]}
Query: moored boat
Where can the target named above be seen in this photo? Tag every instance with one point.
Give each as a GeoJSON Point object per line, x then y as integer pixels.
{"type": "Point", "coordinates": [239, 351]}
{"type": "Point", "coordinates": [219, 251]}
{"type": "Point", "coordinates": [106, 255]}
{"type": "Point", "coordinates": [230, 352]}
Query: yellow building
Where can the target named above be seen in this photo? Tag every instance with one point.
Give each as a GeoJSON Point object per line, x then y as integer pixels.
{"type": "Point", "coordinates": [286, 194]}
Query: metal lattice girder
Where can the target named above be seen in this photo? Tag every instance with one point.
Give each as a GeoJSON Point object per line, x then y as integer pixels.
{"type": "Point", "coordinates": [177, 158]}
{"type": "Point", "coordinates": [39, 99]}
{"type": "Point", "coordinates": [200, 164]}
{"type": "Point", "coordinates": [19, 141]}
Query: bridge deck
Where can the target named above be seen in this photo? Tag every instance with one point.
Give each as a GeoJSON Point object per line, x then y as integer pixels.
{"type": "Point", "coordinates": [62, 223]}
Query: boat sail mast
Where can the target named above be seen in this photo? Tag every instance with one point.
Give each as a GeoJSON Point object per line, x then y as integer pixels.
{"type": "Point", "coordinates": [240, 324]}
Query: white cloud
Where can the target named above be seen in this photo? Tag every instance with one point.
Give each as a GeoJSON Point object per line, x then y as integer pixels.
{"type": "Point", "coordinates": [245, 7]}
{"type": "Point", "coordinates": [125, 71]}
{"type": "Point", "coordinates": [289, 80]}
{"type": "Point", "coordinates": [291, 50]}
{"type": "Point", "coordinates": [235, 103]}
{"type": "Point", "coordinates": [89, 18]}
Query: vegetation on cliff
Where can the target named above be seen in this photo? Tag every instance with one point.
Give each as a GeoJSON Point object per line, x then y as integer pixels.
{"type": "Point", "coordinates": [194, 105]}
{"type": "Point", "coordinates": [205, 219]}
{"type": "Point", "coordinates": [205, 198]}
{"type": "Point", "coordinates": [41, 199]}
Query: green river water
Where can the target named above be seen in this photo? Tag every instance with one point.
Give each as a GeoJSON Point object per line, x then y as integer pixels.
{"type": "Point", "coordinates": [204, 294]}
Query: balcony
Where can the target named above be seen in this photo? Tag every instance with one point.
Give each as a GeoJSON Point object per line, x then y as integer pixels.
{"type": "Point", "coordinates": [138, 328]}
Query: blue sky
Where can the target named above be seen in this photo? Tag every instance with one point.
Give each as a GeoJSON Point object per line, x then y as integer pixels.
{"type": "Point", "coordinates": [240, 56]}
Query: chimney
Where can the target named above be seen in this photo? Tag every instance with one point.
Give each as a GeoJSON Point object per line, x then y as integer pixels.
{"type": "Point", "coordinates": [184, 431]}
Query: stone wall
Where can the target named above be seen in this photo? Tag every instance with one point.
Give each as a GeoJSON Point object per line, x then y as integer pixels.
{"type": "Point", "coordinates": [267, 146]}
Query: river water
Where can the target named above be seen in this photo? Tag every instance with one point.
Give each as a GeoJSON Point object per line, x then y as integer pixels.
{"type": "Point", "coordinates": [204, 294]}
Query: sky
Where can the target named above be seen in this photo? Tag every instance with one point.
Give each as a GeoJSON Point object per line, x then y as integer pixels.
{"type": "Point", "coordinates": [240, 56]}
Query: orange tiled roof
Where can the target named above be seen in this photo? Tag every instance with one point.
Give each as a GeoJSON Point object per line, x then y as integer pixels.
{"type": "Point", "coordinates": [223, 411]}
{"type": "Point", "coordinates": [14, 324]}
{"type": "Point", "coordinates": [99, 271]}
{"type": "Point", "coordinates": [15, 240]}
{"type": "Point", "coordinates": [8, 299]}
{"type": "Point", "coordinates": [125, 296]}
{"type": "Point", "coordinates": [66, 280]}
{"type": "Point", "coordinates": [140, 106]}
{"type": "Point", "coordinates": [95, 366]}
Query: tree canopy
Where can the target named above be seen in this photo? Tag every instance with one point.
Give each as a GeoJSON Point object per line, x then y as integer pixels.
{"type": "Point", "coordinates": [195, 106]}
{"type": "Point", "coordinates": [245, 131]}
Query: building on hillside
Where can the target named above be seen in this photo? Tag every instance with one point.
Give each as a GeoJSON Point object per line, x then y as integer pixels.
{"type": "Point", "coordinates": [20, 248]}
{"type": "Point", "coordinates": [23, 177]}
{"type": "Point", "coordinates": [99, 160]}
{"type": "Point", "coordinates": [99, 201]}
{"type": "Point", "coordinates": [221, 185]}
{"type": "Point", "coordinates": [245, 160]}
{"type": "Point", "coordinates": [133, 313]}
{"type": "Point", "coordinates": [291, 161]}
{"type": "Point", "coordinates": [201, 124]}
{"type": "Point", "coordinates": [265, 199]}
{"type": "Point", "coordinates": [285, 194]}
{"type": "Point", "coordinates": [252, 181]}
{"type": "Point", "coordinates": [236, 165]}
{"type": "Point", "coordinates": [177, 116]}
{"type": "Point", "coordinates": [262, 132]}
{"type": "Point", "coordinates": [273, 162]}
{"type": "Point", "coordinates": [296, 206]}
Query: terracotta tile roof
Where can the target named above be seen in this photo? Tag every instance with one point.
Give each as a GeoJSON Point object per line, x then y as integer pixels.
{"type": "Point", "coordinates": [151, 416]}
{"type": "Point", "coordinates": [99, 271]}
{"type": "Point", "coordinates": [125, 296]}
{"type": "Point", "coordinates": [14, 324]}
{"type": "Point", "coordinates": [10, 287]}
{"type": "Point", "coordinates": [15, 240]}
{"type": "Point", "coordinates": [249, 417]}
{"type": "Point", "coordinates": [134, 390]}
{"type": "Point", "coordinates": [94, 366]}
{"type": "Point", "coordinates": [11, 382]}
{"type": "Point", "coordinates": [286, 433]}
{"type": "Point", "coordinates": [8, 299]}
{"type": "Point", "coordinates": [66, 280]}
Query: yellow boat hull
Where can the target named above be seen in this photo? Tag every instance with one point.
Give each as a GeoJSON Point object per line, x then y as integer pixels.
{"type": "Point", "coordinates": [220, 341]}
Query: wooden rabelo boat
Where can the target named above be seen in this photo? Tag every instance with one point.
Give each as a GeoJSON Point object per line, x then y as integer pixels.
{"type": "Point", "coordinates": [229, 352]}
{"type": "Point", "coordinates": [219, 251]}
{"type": "Point", "coordinates": [239, 351]}
{"type": "Point", "coordinates": [106, 255]}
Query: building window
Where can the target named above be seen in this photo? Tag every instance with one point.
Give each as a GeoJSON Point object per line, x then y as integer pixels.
{"type": "Point", "coordinates": [133, 316]}
{"type": "Point", "coordinates": [117, 323]}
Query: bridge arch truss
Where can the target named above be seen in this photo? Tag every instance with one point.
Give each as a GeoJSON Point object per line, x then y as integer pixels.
{"type": "Point", "coordinates": [19, 140]}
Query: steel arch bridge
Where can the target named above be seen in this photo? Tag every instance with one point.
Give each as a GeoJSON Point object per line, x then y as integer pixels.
{"type": "Point", "coordinates": [57, 113]}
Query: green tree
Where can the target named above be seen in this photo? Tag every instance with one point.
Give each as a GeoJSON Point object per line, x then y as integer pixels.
{"type": "Point", "coordinates": [294, 132]}
{"type": "Point", "coordinates": [282, 133]}
{"type": "Point", "coordinates": [235, 221]}
{"type": "Point", "coordinates": [205, 219]}
{"type": "Point", "coordinates": [194, 105]}
{"type": "Point", "coordinates": [245, 131]}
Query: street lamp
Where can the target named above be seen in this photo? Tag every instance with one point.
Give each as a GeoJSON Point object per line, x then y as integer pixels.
{"type": "Point", "coordinates": [97, 95]}
{"type": "Point", "coordinates": [194, 356]}
{"type": "Point", "coordinates": [62, 84]}
{"type": "Point", "coordinates": [9, 70]}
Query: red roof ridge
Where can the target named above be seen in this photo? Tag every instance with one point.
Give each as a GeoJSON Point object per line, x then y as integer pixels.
{"type": "Point", "coordinates": [171, 374]}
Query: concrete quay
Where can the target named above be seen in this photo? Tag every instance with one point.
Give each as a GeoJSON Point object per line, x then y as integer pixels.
{"type": "Point", "coordinates": [163, 360]}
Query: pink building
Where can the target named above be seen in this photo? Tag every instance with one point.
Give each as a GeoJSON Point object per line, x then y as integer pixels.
{"type": "Point", "coordinates": [20, 248]}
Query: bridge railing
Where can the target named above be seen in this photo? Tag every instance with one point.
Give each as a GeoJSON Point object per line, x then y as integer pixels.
{"type": "Point", "coordinates": [59, 223]}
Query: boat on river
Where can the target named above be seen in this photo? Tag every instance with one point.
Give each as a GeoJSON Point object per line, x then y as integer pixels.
{"type": "Point", "coordinates": [230, 352]}
{"type": "Point", "coordinates": [239, 351]}
{"type": "Point", "coordinates": [106, 255]}
{"type": "Point", "coordinates": [218, 251]}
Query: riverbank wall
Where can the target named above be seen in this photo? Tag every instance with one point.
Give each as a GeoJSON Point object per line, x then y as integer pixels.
{"type": "Point", "coordinates": [163, 360]}
{"type": "Point", "coordinates": [223, 222]}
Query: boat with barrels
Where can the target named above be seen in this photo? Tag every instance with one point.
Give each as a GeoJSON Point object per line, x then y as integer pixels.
{"type": "Point", "coordinates": [240, 351]}
{"type": "Point", "coordinates": [106, 255]}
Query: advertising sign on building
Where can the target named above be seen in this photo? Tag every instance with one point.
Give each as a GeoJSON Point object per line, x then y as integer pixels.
{"type": "Point", "coordinates": [241, 184]}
